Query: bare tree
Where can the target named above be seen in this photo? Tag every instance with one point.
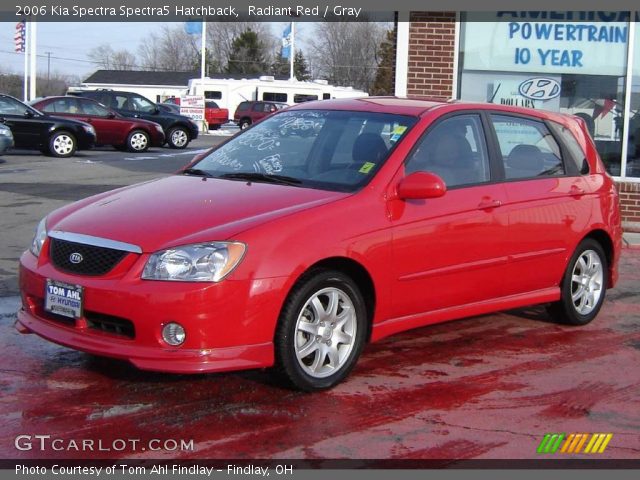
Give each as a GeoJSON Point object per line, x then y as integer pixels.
{"type": "Point", "coordinates": [109, 59]}
{"type": "Point", "coordinates": [221, 35]}
{"type": "Point", "coordinates": [171, 49]}
{"type": "Point", "coordinates": [346, 53]}
{"type": "Point", "coordinates": [56, 84]}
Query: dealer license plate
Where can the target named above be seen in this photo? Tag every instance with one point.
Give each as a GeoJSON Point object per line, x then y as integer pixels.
{"type": "Point", "coordinates": [63, 299]}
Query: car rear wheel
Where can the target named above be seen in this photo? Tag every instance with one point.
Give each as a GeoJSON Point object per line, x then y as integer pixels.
{"type": "Point", "coordinates": [138, 141]}
{"type": "Point", "coordinates": [583, 286]}
{"type": "Point", "coordinates": [178, 137]}
{"type": "Point", "coordinates": [321, 331]}
{"type": "Point", "coordinates": [62, 144]}
{"type": "Point", "coordinates": [244, 123]}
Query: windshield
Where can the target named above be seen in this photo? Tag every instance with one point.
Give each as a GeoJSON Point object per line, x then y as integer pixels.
{"type": "Point", "coordinates": [333, 150]}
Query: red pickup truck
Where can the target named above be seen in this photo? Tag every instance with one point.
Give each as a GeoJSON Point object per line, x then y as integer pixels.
{"type": "Point", "coordinates": [214, 115]}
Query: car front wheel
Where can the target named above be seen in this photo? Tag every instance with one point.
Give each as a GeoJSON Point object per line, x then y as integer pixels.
{"type": "Point", "coordinates": [62, 144]}
{"type": "Point", "coordinates": [321, 330]}
{"type": "Point", "coordinates": [244, 124]}
{"type": "Point", "coordinates": [138, 141]}
{"type": "Point", "coordinates": [178, 137]}
{"type": "Point", "coordinates": [583, 286]}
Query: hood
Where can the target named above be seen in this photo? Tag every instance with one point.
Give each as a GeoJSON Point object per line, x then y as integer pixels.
{"type": "Point", "coordinates": [182, 209]}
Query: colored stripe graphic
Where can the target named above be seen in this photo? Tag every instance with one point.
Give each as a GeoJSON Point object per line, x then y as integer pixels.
{"type": "Point", "coordinates": [573, 443]}
{"type": "Point", "coordinates": [550, 443]}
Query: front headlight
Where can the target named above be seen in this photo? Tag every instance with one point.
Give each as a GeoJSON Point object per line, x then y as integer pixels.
{"type": "Point", "coordinates": [203, 262]}
{"type": "Point", "coordinates": [39, 238]}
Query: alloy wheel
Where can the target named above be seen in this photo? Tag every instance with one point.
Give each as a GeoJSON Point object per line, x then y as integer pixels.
{"type": "Point", "coordinates": [325, 332]}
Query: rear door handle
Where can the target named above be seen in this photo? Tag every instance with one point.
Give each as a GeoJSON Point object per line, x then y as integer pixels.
{"type": "Point", "coordinates": [489, 203]}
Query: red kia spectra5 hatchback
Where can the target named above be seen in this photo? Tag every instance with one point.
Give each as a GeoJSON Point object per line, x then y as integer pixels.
{"type": "Point", "coordinates": [292, 250]}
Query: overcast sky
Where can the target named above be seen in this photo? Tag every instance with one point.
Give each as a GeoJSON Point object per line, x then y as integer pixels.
{"type": "Point", "coordinates": [70, 42]}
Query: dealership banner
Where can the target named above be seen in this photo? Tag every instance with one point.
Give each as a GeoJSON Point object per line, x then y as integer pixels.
{"type": "Point", "coordinates": [531, 42]}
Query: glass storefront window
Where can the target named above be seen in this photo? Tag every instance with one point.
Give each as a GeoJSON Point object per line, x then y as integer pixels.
{"type": "Point", "coordinates": [633, 148]}
{"type": "Point", "coordinates": [574, 64]}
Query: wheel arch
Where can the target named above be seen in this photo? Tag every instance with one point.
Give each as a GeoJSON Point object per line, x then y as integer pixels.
{"type": "Point", "coordinates": [357, 272]}
{"type": "Point", "coordinates": [180, 124]}
{"type": "Point", "coordinates": [605, 241]}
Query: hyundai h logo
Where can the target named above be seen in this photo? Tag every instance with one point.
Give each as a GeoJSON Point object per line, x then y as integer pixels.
{"type": "Point", "coordinates": [540, 88]}
{"type": "Point", "coordinates": [75, 258]}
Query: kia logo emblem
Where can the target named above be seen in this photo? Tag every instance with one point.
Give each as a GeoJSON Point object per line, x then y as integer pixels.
{"type": "Point", "coordinates": [75, 258]}
{"type": "Point", "coordinates": [540, 88]}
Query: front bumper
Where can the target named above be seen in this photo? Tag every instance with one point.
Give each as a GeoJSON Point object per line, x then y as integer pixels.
{"type": "Point", "coordinates": [157, 138]}
{"type": "Point", "coordinates": [229, 325]}
{"type": "Point", "coordinates": [193, 132]}
{"type": "Point", "coordinates": [5, 143]}
{"type": "Point", "coordinates": [86, 140]}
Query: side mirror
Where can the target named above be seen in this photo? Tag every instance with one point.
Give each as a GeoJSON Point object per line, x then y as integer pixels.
{"type": "Point", "coordinates": [156, 111]}
{"type": "Point", "coordinates": [28, 114]}
{"type": "Point", "coordinates": [421, 185]}
{"type": "Point", "coordinates": [111, 115]}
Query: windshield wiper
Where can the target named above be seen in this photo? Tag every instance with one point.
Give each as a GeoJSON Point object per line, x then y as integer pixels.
{"type": "Point", "coordinates": [261, 177]}
{"type": "Point", "coordinates": [197, 172]}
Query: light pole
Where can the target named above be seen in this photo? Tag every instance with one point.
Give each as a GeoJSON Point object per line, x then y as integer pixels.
{"type": "Point", "coordinates": [48, 66]}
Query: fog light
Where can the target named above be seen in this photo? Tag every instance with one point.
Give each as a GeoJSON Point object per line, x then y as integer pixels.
{"type": "Point", "coordinates": [173, 334]}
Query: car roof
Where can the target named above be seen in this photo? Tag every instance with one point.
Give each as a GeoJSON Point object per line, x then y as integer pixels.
{"type": "Point", "coordinates": [420, 107]}
{"type": "Point", "coordinates": [56, 97]}
{"type": "Point", "coordinates": [397, 105]}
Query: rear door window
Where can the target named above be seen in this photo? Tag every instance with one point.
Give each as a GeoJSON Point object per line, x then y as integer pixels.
{"type": "Point", "coordinates": [528, 148]}
{"type": "Point", "coordinates": [62, 105]}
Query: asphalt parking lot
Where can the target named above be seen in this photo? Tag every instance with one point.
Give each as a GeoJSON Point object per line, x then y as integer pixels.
{"type": "Point", "coordinates": [488, 387]}
{"type": "Point", "coordinates": [32, 185]}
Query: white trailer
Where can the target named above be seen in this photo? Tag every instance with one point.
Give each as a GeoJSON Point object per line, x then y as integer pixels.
{"type": "Point", "coordinates": [229, 93]}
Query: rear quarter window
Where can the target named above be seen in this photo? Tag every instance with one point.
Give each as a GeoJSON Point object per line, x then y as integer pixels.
{"type": "Point", "coordinates": [576, 154]}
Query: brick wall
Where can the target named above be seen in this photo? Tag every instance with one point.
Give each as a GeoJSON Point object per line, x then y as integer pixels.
{"type": "Point", "coordinates": [630, 205]}
{"type": "Point", "coordinates": [431, 53]}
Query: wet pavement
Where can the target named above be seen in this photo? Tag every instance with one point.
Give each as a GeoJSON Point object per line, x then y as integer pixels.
{"type": "Point", "coordinates": [489, 387]}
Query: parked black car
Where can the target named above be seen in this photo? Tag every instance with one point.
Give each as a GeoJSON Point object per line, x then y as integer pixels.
{"type": "Point", "coordinates": [31, 128]}
{"type": "Point", "coordinates": [179, 130]}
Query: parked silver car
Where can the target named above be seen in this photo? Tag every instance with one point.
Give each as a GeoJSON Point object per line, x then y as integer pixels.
{"type": "Point", "coordinates": [6, 138]}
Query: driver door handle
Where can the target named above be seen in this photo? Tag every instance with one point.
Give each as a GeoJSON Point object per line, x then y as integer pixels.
{"type": "Point", "coordinates": [489, 203]}
{"type": "Point", "coordinates": [576, 190]}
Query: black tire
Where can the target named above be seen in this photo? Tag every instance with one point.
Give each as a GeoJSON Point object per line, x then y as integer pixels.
{"type": "Point", "coordinates": [214, 126]}
{"type": "Point", "coordinates": [178, 137]}
{"type": "Point", "coordinates": [138, 141]}
{"type": "Point", "coordinates": [567, 310]}
{"type": "Point", "coordinates": [344, 336]}
{"type": "Point", "coordinates": [244, 123]}
{"type": "Point", "coordinates": [62, 144]}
